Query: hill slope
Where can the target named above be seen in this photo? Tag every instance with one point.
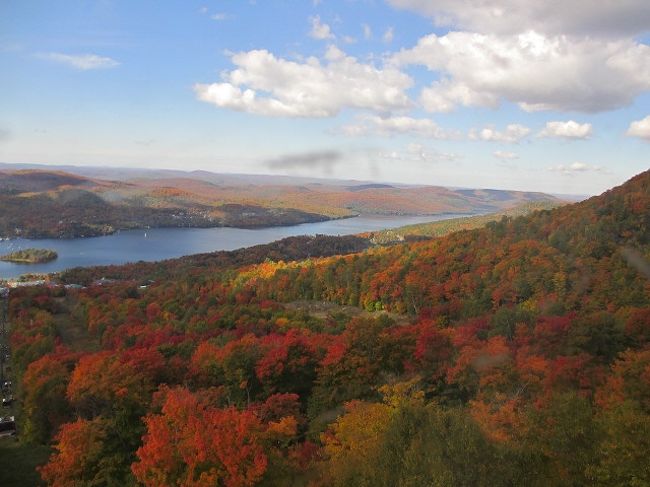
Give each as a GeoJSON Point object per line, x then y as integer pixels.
{"type": "Point", "coordinates": [514, 260]}
{"type": "Point", "coordinates": [59, 204]}
{"type": "Point", "coordinates": [520, 356]}
{"type": "Point", "coordinates": [445, 227]}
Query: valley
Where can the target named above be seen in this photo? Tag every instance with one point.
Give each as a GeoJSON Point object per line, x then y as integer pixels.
{"type": "Point", "coordinates": [342, 243]}
{"type": "Point", "coordinates": [41, 204]}
{"type": "Point", "coordinates": [518, 348]}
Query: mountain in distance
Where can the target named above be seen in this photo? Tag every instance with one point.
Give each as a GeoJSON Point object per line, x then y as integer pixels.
{"type": "Point", "coordinates": [66, 204]}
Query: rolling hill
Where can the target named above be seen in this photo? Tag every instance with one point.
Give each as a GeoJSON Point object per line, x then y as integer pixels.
{"type": "Point", "coordinates": [59, 204]}
{"type": "Point", "coordinates": [513, 354]}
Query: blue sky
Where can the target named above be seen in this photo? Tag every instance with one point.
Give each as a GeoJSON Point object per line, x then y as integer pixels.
{"type": "Point", "coordinates": [481, 93]}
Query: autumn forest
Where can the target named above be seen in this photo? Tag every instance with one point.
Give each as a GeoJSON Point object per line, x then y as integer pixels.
{"type": "Point", "coordinates": [513, 354]}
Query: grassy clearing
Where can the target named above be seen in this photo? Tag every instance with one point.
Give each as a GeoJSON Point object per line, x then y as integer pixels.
{"type": "Point", "coordinates": [325, 310]}
{"type": "Point", "coordinates": [18, 463]}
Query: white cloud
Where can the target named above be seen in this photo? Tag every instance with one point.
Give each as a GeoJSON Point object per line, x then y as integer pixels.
{"type": "Point", "coordinates": [505, 155]}
{"type": "Point", "coordinates": [418, 153]}
{"type": "Point", "coordinates": [567, 130]}
{"type": "Point", "coordinates": [398, 125]}
{"type": "Point", "coordinates": [512, 134]}
{"type": "Point", "coordinates": [367, 32]}
{"type": "Point", "coordinates": [530, 69]}
{"type": "Point", "coordinates": [389, 35]}
{"type": "Point", "coordinates": [319, 30]}
{"type": "Point", "coordinates": [82, 62]}
{"type": "Point", "coordinates": [640, 128]}
{"type": "Point", "coordinates": [581, 17]}
{"type": "Point", "coordinates": [444, 96]}
{"type": "Point", "coordinates": [266, 85]}
{"type": "Point", "coordinates": [575, 168]}
{"type": "Point", "coordinates": [219, 16]}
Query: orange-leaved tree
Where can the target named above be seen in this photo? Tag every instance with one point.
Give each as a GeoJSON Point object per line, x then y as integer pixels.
{"type": "Point", "coordinates": [193, 444]}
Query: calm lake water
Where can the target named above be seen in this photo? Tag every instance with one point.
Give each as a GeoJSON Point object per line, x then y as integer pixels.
{"type": "Point", "coordinates": [165, 243]}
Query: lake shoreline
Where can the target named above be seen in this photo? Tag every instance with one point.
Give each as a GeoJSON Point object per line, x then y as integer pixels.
{"type": "Point", "coordinates": [156, 244]}
{"type": "Point", "coordinates": [108, 230]}
{"type": "Point", "coordinates": [115, 231]}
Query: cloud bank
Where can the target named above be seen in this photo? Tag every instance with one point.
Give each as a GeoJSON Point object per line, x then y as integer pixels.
{"type": "Point", "coordinates": [534, 71]}
{"type": "Point", "coordinates": [577, 17]}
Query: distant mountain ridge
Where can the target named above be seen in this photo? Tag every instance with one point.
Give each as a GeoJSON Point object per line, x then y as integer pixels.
{"type": "Point", "coordinates": [52, 203]}
{"type": "Point", "coordinates": [24, 181]}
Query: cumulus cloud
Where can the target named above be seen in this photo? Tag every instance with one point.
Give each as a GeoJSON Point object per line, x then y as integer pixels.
{"type": "Point", "coordinates": [219, 16]}
{"type": "Point", "coordinates": [319, 30]}
{"type": "Point", "coordinates": [512, 134]}
{"type": "Point", "coordinates": [267, 85]}
{"type": "Point", "coordinates": [566, 130]}
{"type": "Point", "coordinates": [575, 168]}
{"type": "Point", "coordinates": [640, 128]}
{"type": "Point", "coordinates": [418, 153]}
{"type": "Point", "coordinates": [505, 155]}
{"type": "Point", "coordinates": [324, 160]}
{"type": "Point", "coordinates": [545, 69]}
{"type": "Point", "coordinates": [533, 70]}
{"type": "Point", "coordinates": [82, 62]}
{"type": "Point", "coordinates": [398, 125]}
{"type": "Point", "coordinates": [580, 17]}
{"type": "Point", "coordinates": [444, 96]}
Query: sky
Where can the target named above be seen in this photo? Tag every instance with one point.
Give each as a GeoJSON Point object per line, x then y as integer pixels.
{"type": "Point", "coordinates": [541, 96]}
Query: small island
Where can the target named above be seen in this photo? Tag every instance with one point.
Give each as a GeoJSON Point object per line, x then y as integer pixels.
{"type": "Point", "coordinates": [30, 256]}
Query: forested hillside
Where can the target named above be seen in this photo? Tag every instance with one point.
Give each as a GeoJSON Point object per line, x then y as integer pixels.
{"type": "Point", "coordinates": [445, 227]}
{"type": "Point", "coordinates": [41, 204]}
{"type": "Point", "coordinates": [515, 354]}
{"type": "Point", "coordinates": [46, 204]}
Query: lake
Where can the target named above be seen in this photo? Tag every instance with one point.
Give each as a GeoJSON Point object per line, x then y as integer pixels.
{"type": "Point", "coordinates": [166, 243]}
